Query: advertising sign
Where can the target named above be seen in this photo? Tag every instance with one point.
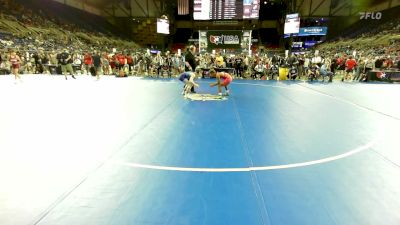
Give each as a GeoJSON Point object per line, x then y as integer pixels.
{"type": "Point", "coordinates": [309, 44]}
{"type": "Point", "coordinates": [297, 44]}
{"type": "Point", "coordinates": [224, 39]}
{"type": "Point", "coordinates": [310, 31]}
{"type": "Point", "coordinates": [203, 43]}
{"type": "Point", "coordinates": [386, 76]}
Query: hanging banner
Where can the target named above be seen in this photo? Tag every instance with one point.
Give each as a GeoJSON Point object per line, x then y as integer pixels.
{"type": "Point", "coordinates": [310, 31]}
{"type": "Point", "coordinates": [298, 44]}
{"type": "Point", "coordinates": [224, 39]}
{"type": "Point", "coordinates": [309, 44]}
{"type": "Point", "coordinates": [203, 41]}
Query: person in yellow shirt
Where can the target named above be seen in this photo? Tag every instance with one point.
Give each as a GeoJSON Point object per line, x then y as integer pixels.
{"type": "Point", "coordinates": [219, 61]}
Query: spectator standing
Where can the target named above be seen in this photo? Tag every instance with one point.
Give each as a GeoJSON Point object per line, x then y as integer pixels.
{"type": "Point", "coordinates": [105, 61]}
{"type": "Point", "coordinates": [53, 58]}
{"type": "Point", "coordinates": [301, 65]}
{"type": "Point", "coordinates": [306, 65]}
{"type": "Point", "coordinates": [341, 61]}
{"type": "Point", "coordinates": [333, 65]}
{"type": "Point", "coordinates": [168, 64]}
{"type": "Point", "coordinates": [120, 61]}
{"type": "Point", "coordinates": [97, 64]}
{"type": "Point", "coordinates": [45, 59]}
{"type": "Point", "coordinates": [15, 61]}
{"type": "Point", "coordinates": [238, 66]}
{"type": "Point", "coordinates": [293, 61]}
{"type": "Point", "coordinates": [87, 61]}
{"type": "Point", "coordinates": [65, 60]}
{"type": "Point", "coordinates": [147, 62]}
{"type": "Point", "coordinates": [158, 61]}
{"type": "Point", "coordinates": [219, 61]}
{"type": "Point", "coordinates": [38, 62]}
{"type": "Point", "coordinates": [246, 63]}
{"type": "Point", "coordinates": [129, 61]}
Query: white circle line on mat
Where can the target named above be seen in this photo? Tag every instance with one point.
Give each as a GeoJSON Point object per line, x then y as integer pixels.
{"type": "Point", "coordinates": [248, 169]}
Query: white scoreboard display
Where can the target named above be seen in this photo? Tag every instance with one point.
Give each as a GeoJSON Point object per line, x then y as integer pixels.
{"type": "Point", "coordinates": [162, 26]}
{"type": "Point", "coordinates": [292, 24]}
{"type": "Point", "coordinates": [226, 9]}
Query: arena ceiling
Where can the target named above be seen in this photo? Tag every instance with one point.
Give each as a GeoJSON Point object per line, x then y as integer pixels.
{"type": "Point", "coordinates": [122, 8]}
{"type": "Point", "coordinates": [154, 8]}
{"type": "Point", "coordinates": [98, 3]}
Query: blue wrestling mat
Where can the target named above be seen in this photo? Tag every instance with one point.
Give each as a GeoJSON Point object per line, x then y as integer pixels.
{"type": "Point", "coordinates": [272, 153]}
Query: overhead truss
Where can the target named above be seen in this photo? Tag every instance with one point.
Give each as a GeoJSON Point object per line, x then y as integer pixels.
{"type": "Point", "coordinates": [135, 8]}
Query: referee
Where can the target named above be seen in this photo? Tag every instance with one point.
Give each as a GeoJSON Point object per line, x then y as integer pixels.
{"type": "Point", "coordinates": [190, 61]}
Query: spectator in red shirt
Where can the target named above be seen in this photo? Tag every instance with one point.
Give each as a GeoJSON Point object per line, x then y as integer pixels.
{"type": "Point", "coordinates": [340, 64]}
{"type": "Point", "coordinates": [388, 63]}
{"type": "Point", "coordinates": [120, 61]}
{"type": "Point", "coordinates": [350, 66]}
{"type": "Point", "coordinates": [88, 62]}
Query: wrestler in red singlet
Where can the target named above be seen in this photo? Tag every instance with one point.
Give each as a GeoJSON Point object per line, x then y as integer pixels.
{"type": "Point", "coordinates": [227, 78]}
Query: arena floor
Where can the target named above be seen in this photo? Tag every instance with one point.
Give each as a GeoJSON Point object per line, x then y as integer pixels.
{"type": "Point", "coordinates": [132, 151]}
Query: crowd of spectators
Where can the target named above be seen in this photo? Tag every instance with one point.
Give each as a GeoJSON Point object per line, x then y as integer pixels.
{"type": "Point", "coordinates": [311, 65]}
{"type": "Point", "coordinates": [56, 44]}
{"type": "Point", "coordinates": [38, 38]}
{"type": "Point", "coordinates": [373, 46]}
